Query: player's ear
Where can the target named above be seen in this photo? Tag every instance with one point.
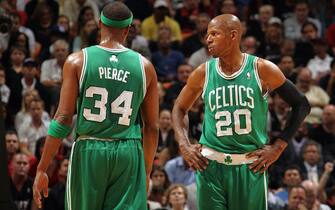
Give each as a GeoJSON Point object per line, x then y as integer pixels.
{"type": "Point", "coordinates": [234, 34]}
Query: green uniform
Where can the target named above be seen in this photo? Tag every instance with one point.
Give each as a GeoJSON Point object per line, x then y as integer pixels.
{"type": "Point", "coordinates": [107, 164]}
{"type": "Point", "coordinates": [234, 123]}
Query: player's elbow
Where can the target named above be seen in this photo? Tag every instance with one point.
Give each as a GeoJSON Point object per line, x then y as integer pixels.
{"type": "Point", "coordinates": [305, 106]}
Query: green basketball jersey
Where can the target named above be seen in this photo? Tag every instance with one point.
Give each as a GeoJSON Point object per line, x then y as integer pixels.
{"type": "Point", "coordinates": [112, 88]}
{"type": "Point", "coordinates": [235, 118]}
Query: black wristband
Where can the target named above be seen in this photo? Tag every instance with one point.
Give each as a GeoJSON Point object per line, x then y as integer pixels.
{"type": "Point", "coordinates": [300, 108]}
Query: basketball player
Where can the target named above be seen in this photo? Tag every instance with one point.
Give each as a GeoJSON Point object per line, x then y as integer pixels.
{"type": "Point", "coordinates": [113, 87]}
{"type": "Point", "coordinates": [234, 153]}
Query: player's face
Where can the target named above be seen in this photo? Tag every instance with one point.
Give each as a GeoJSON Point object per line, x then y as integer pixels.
{"type": "Point", "coordinates": [217, 40]}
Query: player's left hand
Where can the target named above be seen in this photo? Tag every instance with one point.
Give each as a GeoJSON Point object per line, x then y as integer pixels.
{"type": "Point", "coordinates": [266, 155]}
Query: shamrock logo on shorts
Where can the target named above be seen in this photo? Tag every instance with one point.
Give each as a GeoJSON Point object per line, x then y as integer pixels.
{"type": "Point", "coordinates": [228, 159]}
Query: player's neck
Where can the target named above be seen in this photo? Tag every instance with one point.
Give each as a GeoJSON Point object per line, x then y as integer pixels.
{"type": "Point", "coordinates": [113, 42]}
{"type": "Point", "coordinates": [231, 63]}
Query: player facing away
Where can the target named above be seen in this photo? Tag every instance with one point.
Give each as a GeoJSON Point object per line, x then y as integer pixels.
{"type": "Point", "coordinates": [115, 91]}
{"type": "Point", "coordinates": [233, 153]}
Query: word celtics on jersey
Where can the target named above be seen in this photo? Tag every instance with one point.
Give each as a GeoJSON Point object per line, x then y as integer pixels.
{"type": "Point", "coordinates": [112, 88]}
{"type": "Point", "coordinates": [235, 116]}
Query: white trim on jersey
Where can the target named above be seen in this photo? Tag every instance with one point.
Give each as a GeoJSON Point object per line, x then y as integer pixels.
{"type": "Point", "coordinates": [235, 74]}
{"type": "Point", "coordinates": [143, 75]}
{"type": "Point", "coordinates": [206, 80]}
{"type": "Point", "coordinates": [68, 180]}
{"type": "Point", "coordinates": [265, 191]}
{"type": "Point", "coordinates": [256, 74]}
{"type": "Point", "coordinates": [112, 49]}
{"type": "Point", "coordinates": [83, 69]}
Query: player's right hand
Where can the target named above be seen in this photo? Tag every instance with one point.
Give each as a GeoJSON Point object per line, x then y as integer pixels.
{"type": "Point", "coordinates": [193, 157]}
{"type": "Point", "coordinates": [40, 186]}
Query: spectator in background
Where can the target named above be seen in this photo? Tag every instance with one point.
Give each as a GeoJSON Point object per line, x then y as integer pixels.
{"type": "Point", "coordinates": [150, 25]}
{"type": "Point", "coordinates": [324, 133]}
{"type": "Point", "coordinates": [297, 199]}
{"type": "Point", "coordinates": [186, 16]}
{"type": "Point", "coordinates": [32, 5]}
{"type": "Point", "coordinates": [31, 131]}
{"type": "Point", "coordinates": [320, 64]}
{"type": "Point", "coordinates": [167, 145]}
{"type": "Point", "coordinates": [55, 200]}
{"type": "Point", "coordinates": [316, 97]}
{"type": "Point", "coordinates": [51, 72]}
{"type": "Point", "coordinates": [166, 60]}
{"type": "Point", "coordinates": [21, 183]}
{"type": "Point", "coordinates": [18, 39]}
{"type": "Point", "coordinates": [136, 41]}
{"type": "Point", "coordinates": [292, 25]}
{"type": "Point", "coordinates": [42, 24]}
{"type": "Point", "coordinates": [18, 27]}
{"type": "Point", "coordinates": [176, 196]}
{"type": "Point", "coordinates": [86, 13]}
{"type": "Point", "coordinates": [327, 82]}
{"type": "Point", "coordinates": [23, 116]}
{"type": "Point", "coordinates": [291, 178]}
{"type": "Point", "coordinates": [312, 201]}
{"type": "Point", "coordinates": [81, 41]}
{"type": "Point", "coordinates": [228, 7]}
{"type": "Point", "coordinates": [160, 183]}
{"type": "Point", "coordinates": [183, 72]}
{"type": "Point", "coordinates": [13, 80]}
{"type": "Point", "coordinates": [258, 26]}
{"type": "Point", "coordinates": [179, 172]}
{"type": "Point", "coordinates": [270, 49]}
{"type": "Point", "coordinates": [200, 56]}
{"type": "Point", "coordinates": [195, 41]}
{"type": "Point", "coordinates": [304, 49]}
{"type": "Point", "coordinates": [12, 145]}
{"type": "Point", "coordinates": [250, 45]}
{"type": "Point", "coordinates": [72, 9]}
{"type": "Point", "coordinates": [4, 89]}
{"type": "Point", "coordinates": [287, 66]}
{"type": "Point", "coordinates": [311, 166]}
{"type": "Point", "coordinates": [29, 81]}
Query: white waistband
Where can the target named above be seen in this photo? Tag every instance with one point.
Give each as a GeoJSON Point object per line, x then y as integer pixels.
{"type": "Point", "coordinates": [224, 158]}
{"type": "Point", "coordinates": [96, 138]}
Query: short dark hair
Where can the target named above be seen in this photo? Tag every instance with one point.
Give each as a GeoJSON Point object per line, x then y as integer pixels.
{"type": "Point", "coordinates": [11, 132]}
{"type": "Point", "coordinates": [308, 23]}
{"type": "Point", "coordinates": [116, 11]}
{"type": "Point", "coordinates": [292, 167]}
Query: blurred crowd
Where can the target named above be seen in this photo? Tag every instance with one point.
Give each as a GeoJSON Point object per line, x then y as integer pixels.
{"type": "Point", "coordinates": [36, 36]}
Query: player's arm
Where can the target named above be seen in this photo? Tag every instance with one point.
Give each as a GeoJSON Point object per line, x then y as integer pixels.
{"type": "Point", "coordinates": [273, 79]}
{"type": "Point", "coordinates": [62, 122]}
{"type": "Point", "coordinates": [189, 94]}
{"type": "Point", "coordinates": [149, 113]}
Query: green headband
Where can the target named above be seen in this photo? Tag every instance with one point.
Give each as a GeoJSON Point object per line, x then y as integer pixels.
{"type": "Point", "coordinates": [116, 23]}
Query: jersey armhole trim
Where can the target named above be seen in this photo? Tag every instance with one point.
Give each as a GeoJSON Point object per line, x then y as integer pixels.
{"type": "Point", "coordinates": [257, 75]}
{"type": "Point", "coordinates": [143, 76]}
{"type": "Point", "coordinates": [83, 69]}
{"type": "Point", "coordinates": [206, 80]}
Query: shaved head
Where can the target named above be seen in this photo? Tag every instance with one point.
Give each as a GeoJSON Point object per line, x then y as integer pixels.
{"type": "Point", "coordinates": [228, 22]}
{"type": "Point", "coordinates": [224, 34]}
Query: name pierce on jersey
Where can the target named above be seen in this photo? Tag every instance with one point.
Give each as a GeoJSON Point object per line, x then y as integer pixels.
{"type": "Point", "coordinates": [114, 74]}
{"type": "Point", "coordinates": [231, 95]}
